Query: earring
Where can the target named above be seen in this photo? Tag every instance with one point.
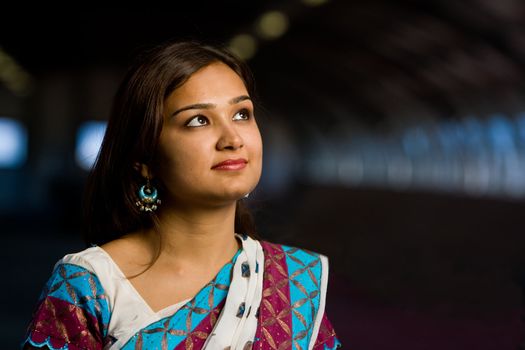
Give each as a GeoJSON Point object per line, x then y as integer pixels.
{"type": "Point", "coordinates": [148, 201]}
{"type": "Point", "coordinates": [247, 195]}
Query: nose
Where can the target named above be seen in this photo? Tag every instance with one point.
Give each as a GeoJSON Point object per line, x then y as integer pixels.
{"type": "Point", "coordinates": [229, 138]}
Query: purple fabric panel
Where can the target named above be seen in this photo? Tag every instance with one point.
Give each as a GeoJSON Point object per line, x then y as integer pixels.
{"type": "Point", "coordinates": [275, 319]}
{"type": "Point", "coordinates": [326, 336]}
{"type": "Point", "coordinates": [57, 323]}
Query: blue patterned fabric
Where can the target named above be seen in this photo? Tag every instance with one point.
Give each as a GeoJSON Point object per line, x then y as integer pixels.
{"type": "Point", "coordinates": [304, 271]}
{"type": "Point", "coordinates": [79, 287]}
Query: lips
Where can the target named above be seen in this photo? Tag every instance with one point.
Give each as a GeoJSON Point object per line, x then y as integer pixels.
{"type": "Point", "coordinates": [231, 164]}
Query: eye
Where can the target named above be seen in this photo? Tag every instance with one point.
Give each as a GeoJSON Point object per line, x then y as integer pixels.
{"type": "Point", "coordinates": [243, 114]}
{"type": "Point", "coordinates": [197, 121]}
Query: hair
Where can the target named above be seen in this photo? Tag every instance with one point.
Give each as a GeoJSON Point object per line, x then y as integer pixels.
{"type": "Point", "coordinates": [133, 133]}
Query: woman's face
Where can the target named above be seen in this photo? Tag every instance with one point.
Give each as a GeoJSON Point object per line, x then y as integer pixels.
{"type": "Point", "coordinates": [209, 120]}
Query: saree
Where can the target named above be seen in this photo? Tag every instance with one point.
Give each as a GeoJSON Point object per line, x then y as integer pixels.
{"type": "Point", "coordinates": [269, 296]}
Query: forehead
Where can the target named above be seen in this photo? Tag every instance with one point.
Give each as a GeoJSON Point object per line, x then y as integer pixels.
{"type": "Point", "coordinates": [212, 84]}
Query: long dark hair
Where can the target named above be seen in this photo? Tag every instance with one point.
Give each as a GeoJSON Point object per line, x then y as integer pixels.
{"type": "Point", "coordinates": [132, 136]}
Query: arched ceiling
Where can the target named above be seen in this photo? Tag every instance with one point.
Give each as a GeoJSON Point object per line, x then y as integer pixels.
{"type": "Point", "coordinates": [373, 59]}
{"type": "Point", "coordinates": [377, 59]}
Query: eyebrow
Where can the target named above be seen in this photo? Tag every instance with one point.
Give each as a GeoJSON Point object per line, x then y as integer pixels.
{"type": "Point", "coordinates": [233, 101]}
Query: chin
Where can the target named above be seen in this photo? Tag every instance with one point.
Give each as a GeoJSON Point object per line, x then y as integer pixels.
{"type": "Point", "coordinates": [225, 197]}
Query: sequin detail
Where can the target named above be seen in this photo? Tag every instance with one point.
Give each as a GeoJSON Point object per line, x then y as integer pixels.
{"type": "Point", "coordinates": [245, 269]}
{"type": "Point", "coordinates": [240, 310]}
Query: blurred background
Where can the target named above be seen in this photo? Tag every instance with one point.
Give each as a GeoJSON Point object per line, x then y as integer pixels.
{"type": "Point", "coordinates": [394, 138]}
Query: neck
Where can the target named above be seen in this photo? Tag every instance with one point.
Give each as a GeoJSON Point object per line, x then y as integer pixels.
{"type": "Point", "coordinates": [204, 236]}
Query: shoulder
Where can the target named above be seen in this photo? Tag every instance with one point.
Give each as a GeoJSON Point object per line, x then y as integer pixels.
{"type": "Point", "coordinates": [295, 253]}
{"type": "Point", "coordinates": [130, 253]}
{"type": "Point", "coordinates": [73, 307]}
{"type": "Point", "coordinates": [85, 259]}
{"type": "Point", "coordinates": [78, 279]}
{"type": "Point", "coordinates": [294, 284]}
{"type": "Point", "coordinates": [294, 259]}
{"type": "Point", "coordinates": [74, 279]}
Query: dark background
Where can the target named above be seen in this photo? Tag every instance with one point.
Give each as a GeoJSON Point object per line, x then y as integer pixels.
{"type": "Point", "coordinates": [394, 136]}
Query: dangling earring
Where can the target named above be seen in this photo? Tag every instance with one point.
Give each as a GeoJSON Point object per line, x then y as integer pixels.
{"type": "Point", "coordinates": [247, 195]}
{"type": "Point", "coordinates": [148, 200]}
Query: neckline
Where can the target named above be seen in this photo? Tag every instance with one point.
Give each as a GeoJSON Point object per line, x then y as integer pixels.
{"type": "Point", "coordinates": [170, 308]}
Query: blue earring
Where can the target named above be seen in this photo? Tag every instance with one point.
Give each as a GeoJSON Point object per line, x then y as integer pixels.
{"type": "Point", "coordinates": [148, 198]}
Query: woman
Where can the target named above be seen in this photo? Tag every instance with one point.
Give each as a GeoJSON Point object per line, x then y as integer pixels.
{"type": "Point", "coordinates": [175, 262]}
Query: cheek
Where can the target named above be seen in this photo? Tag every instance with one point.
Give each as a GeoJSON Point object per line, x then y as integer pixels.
{"type": "Point", "coordinates": [182, 160]}
{"type": "Point", "coordinates": [256, 144]}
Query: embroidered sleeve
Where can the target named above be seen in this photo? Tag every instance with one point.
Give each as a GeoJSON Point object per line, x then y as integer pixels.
{"type": "Point", "coordinates": [72, 312]}
{"type": "Point", "coordinates": [326, 339]}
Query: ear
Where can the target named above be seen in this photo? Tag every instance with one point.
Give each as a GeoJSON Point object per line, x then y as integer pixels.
{"type": "Point", "coordinates": [143, 169]}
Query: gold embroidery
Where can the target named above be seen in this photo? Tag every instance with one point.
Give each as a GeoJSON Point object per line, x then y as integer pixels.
{"type": "Point", "coordinates": [92, 285]}
{"type": "Point", "coordinates": [269, 338]}
{"type": "Point", "coordinates": [283, 324]}
{"type": "Point", "coordinates": [305, 268]}
{"type": "Point", "coordinates": [138, 344]}
{"type": "Point", "coordinates": [308, 296]}
{"type": "Point", "coordinates": [300, 317]}
{"type": "Point", "coordinates": [165, 330]}
{"type": "Point", "coordinates": [276, 288]}
{"type": "Point", "coordinates": [214, 315]}
{"type": "Point", "coordinates": [68, 335]}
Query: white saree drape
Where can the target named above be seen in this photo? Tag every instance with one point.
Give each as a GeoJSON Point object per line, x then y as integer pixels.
{"type": "Point", "coordinates": [244, 297]}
